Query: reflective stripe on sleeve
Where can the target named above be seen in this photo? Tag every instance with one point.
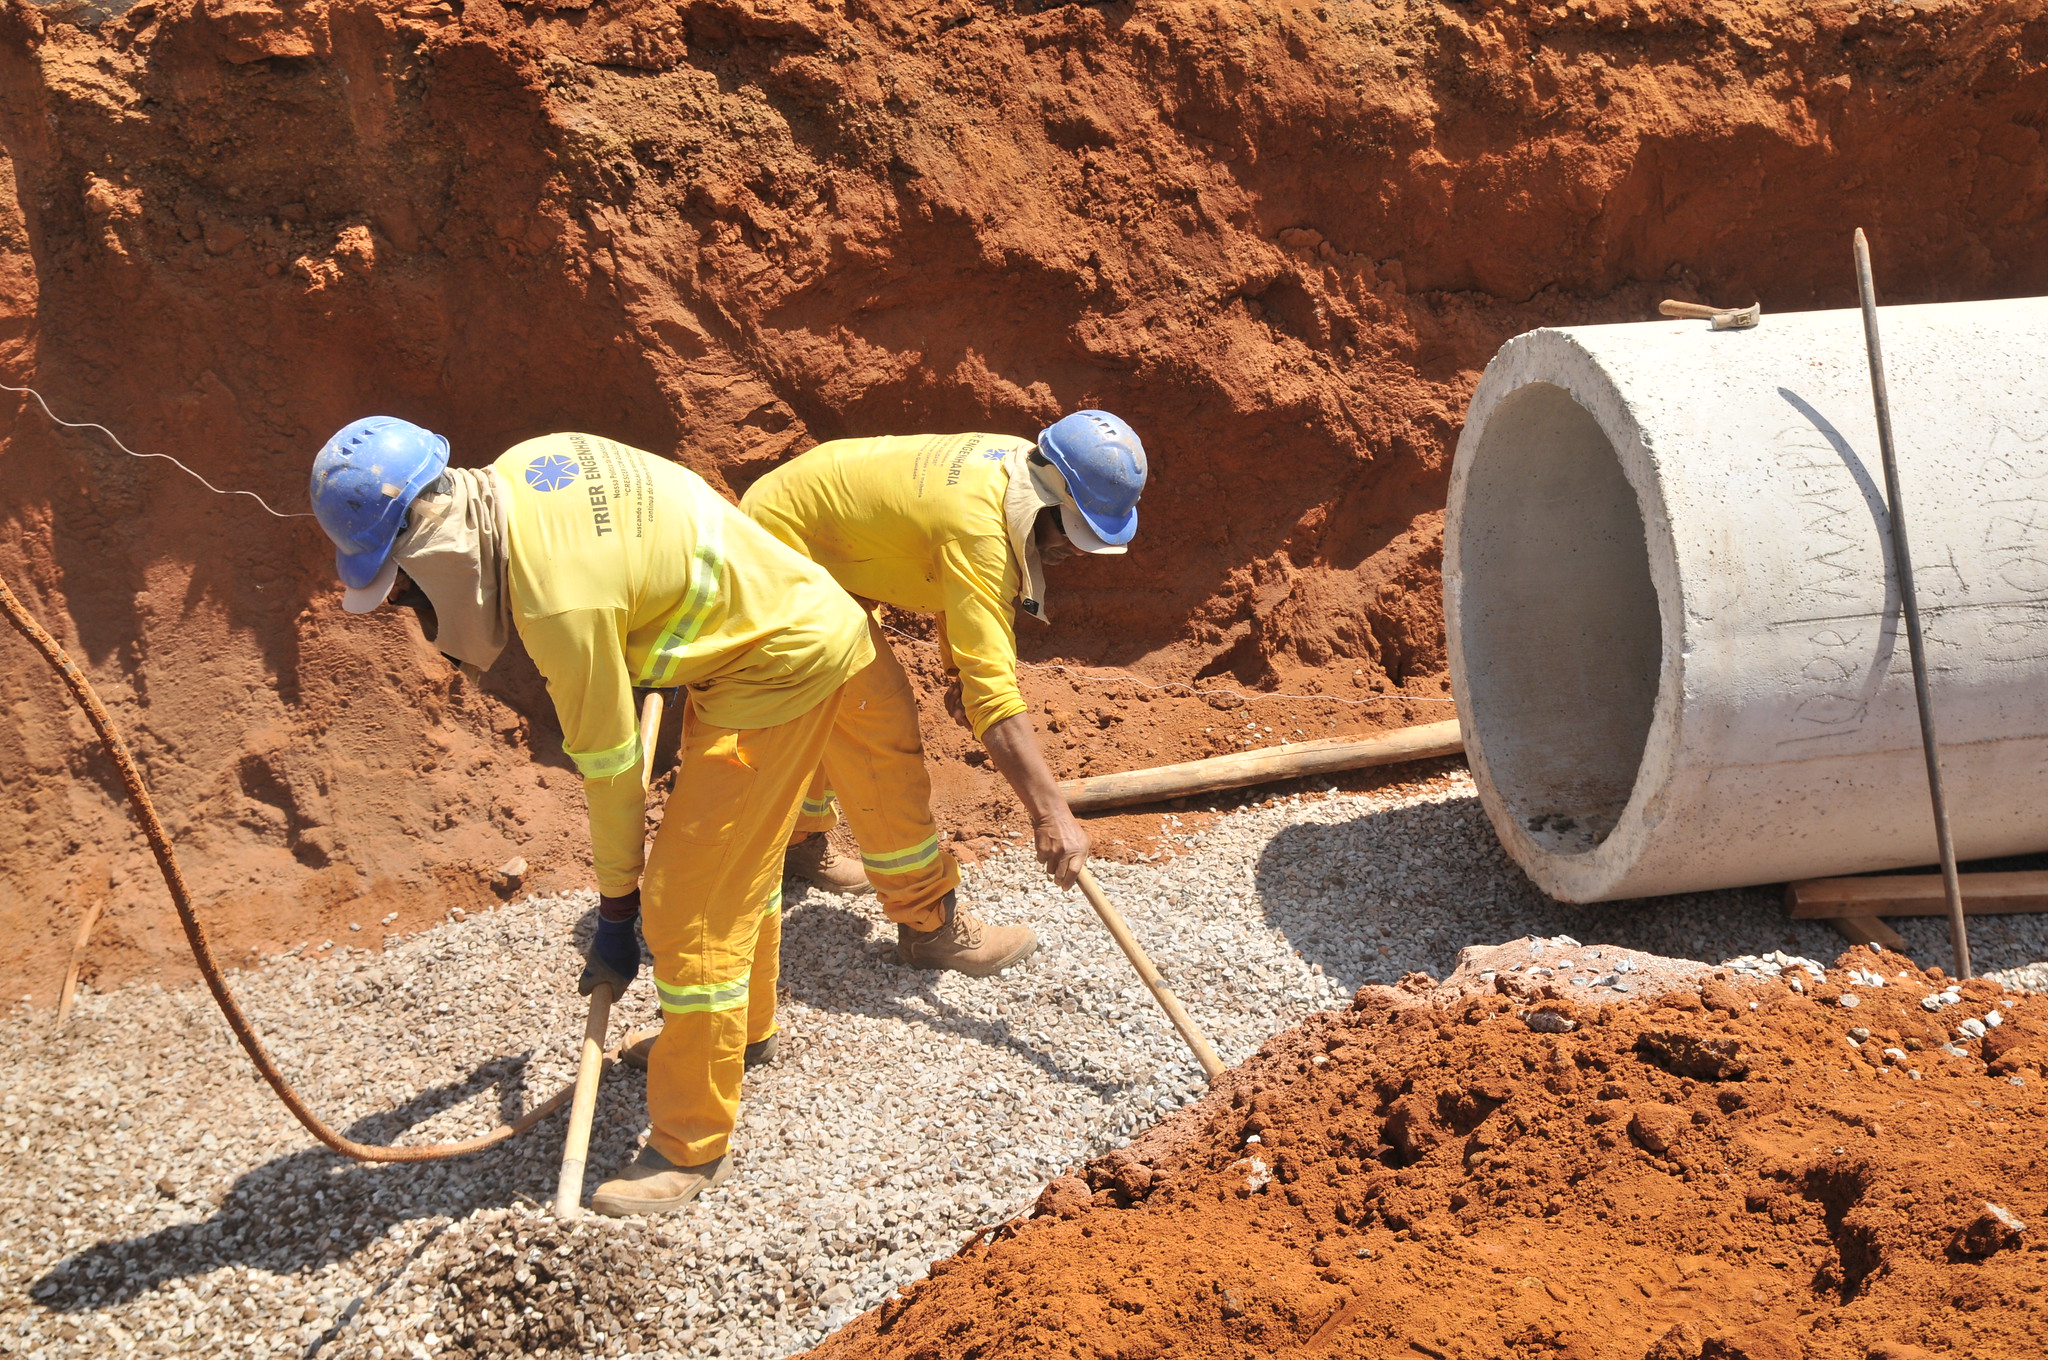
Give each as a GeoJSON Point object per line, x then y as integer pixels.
{"type": "Point", "coordinates": [706, 565]}
{"type": "Point", "coordinates": [702, 996]}
{"type": "Point", "coordinates": [605, 764]}
{"type": "Point", "coordinates": [903, 861]}
{"type": "Point", "coordinates": [819, 807]}
{"type": "Point", "coordinates": [774, 902]}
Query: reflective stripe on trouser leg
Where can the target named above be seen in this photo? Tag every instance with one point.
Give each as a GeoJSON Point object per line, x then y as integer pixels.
{"type": "Point", "coordinates": [820, 810]}
{"type": "Point", "coordinates": [703, 996]}
{"type": "Point", "coordinates": [875, 762]}
{"type": "Point", "coordinates": [767, 969]}
{"type": "Point", "coordinates": [713, 871]}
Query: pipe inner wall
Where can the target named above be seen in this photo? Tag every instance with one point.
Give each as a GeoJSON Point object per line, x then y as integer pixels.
{"type": "Point", "coordinates": [1674, 621]}
{"type": "Point", "coordinates": [1560, 617]}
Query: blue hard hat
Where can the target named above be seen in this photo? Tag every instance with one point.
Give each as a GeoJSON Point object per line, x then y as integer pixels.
{"type": "Point", "coordinates": [364, 481]}
{"type": "Point", "coordinates": [1104, 467]}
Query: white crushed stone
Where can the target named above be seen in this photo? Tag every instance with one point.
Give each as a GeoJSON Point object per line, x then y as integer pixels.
{"type": "Point", "coordinates": [161, 1202]}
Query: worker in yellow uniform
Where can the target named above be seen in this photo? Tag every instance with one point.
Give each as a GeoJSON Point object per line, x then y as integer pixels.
{"type": "Point", "coordinates": [959, 526]}
{"type": "Point", "coordinates": [621, 569]}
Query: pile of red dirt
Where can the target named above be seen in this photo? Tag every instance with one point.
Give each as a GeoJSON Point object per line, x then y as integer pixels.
{"type": "Point", "coordinates": [1281, 238]}
{"type": "Point", "coordinates": [1722, 1172]}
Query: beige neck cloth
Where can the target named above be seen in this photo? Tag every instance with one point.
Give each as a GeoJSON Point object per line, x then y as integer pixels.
{"type": "Point", "coordinates": [1021, 504]}
{"type": "Point", "coordinates": [454, 547]}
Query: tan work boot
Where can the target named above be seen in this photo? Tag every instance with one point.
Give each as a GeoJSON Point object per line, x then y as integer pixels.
{"type": "Point", "coordinates": [818, 862]}
{"type": "Point", "coordinates": [965, 943]}
{"type": "Point", "coordinates": [759, 1054]}
{"type": "Point", "coordinates": [652, 1184]}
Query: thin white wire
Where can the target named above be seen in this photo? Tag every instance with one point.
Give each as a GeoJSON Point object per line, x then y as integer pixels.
{"type": "Point", "coordinates": [1172, 685]}
{"type": "Point", "coordinates": [1167, 688]}
{"type": "Point", "coordinates": [94, 425]}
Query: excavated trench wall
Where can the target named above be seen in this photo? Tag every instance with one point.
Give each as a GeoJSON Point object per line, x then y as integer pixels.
{"type": "Point", "coordinates": [1281, 239]}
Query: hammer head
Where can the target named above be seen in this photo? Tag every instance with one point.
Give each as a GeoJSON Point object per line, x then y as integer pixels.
{"type": "Point", "coordinates": [1740, 319]}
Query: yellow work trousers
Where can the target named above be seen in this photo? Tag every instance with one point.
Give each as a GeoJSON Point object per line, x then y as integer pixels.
{"type": "Point", "coordinates": [874, 771]}
{"type": "Point", "coordinates": [711, 911]}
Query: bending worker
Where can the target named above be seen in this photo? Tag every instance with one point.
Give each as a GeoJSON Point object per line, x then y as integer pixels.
{"type": "Point", "coordinates": [958, 526]}
{"type": "Point", "coordinates": [619, 568]}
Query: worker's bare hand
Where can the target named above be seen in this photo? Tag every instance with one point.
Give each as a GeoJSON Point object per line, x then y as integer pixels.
{"type": "Point", "coordinates": [956, 707]}
{"type": "Point", "coordinates": [1063, 847]}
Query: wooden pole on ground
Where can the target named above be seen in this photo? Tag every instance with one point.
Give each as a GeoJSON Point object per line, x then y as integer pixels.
{"type": "Point", "coordinates": [1212, 1066]}
{"type": "Point", "coordinates": [583, 1110]}
{"type": "Point", "coordinates": [1292, 761]}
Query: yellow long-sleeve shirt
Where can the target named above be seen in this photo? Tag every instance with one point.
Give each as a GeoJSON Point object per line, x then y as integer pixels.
{"type": "Point", "coordinates": [626, 569]}
{"type": "Point", "coordinates": [917, 522]}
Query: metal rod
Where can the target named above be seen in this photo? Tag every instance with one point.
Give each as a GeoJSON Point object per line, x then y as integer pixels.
{"type": "Point", "coordinates": [1958, 927]}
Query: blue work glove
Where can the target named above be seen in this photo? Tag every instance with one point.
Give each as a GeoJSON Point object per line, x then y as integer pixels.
{"type": "Point", "coordinates": [614, 957]}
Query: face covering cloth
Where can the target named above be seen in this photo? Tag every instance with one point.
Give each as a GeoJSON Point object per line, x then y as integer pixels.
{"type": "Point", "coordinates": [454, 549]}
{"type": "Point", "coordinates": [1026, 497]}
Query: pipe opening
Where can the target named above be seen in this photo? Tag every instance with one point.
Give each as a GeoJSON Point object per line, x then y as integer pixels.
{"type": "Point", "coordinates": [1560, 624]}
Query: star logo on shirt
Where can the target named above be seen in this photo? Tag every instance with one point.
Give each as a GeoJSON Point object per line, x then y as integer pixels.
{"type": "Point", "coordinates": [550, 472]}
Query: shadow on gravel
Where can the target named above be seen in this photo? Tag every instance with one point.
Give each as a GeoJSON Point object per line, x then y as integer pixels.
{"type": "Point", "coordinates": [827, 965]}
{"type": "Point", "coordinates": [1406, 889]}
{"type": "Point", "coordinates": [308, 1209]}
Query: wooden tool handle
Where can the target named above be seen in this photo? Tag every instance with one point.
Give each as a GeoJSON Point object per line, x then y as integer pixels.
{"type": "Point", "coordinates": [650, 728]}
{"type": "Point", "coordinates": [589, 1070]}
{"type": "Point", "coordinates": [1692, 311]}
{"type": "Point", "coordinates": [1212, 1066]}
{"type": "Point", "coordinates": [69, 992]}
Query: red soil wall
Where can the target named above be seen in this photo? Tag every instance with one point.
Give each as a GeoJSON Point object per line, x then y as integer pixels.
{"type": "Point", "coordinates": [1281, 239]}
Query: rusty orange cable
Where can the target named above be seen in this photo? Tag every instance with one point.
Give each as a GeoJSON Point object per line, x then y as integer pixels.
{"type": "Point", "coordinates": [195, 935]}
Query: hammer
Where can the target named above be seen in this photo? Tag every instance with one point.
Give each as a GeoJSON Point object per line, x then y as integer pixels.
{"type": "Point", "coordinates": [1722, 318]}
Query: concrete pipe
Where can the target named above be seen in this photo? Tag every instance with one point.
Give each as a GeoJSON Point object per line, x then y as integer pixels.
{"type": "Point", "coordinates": [1675, 627]}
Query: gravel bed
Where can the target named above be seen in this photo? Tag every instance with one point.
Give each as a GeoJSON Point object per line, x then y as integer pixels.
{"type": "Point", "coordinates": [162, 1203]}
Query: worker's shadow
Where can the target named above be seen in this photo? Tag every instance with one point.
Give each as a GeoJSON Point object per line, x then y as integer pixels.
{"type": "Point", "coordinates": [827, 965]}
{"type": "Point", "coordinates": [308, 1209]}
{"type": "Point", "coordinates": [1409, 887]}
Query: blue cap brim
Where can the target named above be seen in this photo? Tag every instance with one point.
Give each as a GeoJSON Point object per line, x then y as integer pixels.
{"type": "Point", "coordinates": [1115, 532]}
{"type": "Point", "coordinates": [357, 570]}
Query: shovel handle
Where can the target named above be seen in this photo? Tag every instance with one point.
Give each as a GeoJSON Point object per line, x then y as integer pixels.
{"type": "Point", "coordinates": [590, 1067]}
{"type": "Point", "coordinates": [650, 728]}
{"type": "Point", "coordinates": [1212, 1066]}
{"type": "Point", "coordinates": [589, 1071]}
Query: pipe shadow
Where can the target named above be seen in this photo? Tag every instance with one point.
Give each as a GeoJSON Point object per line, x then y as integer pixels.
{"type": "Point", "coordinates": [1891, 619]}
{"type": "Point", "coordinates": [827, 965]}
{"type": "Point", "coordinates": [1407, 888]}
{"type": "Point", "coordinates": [309, 1209]}
{"type": "Point", "coordinates": [1866, 485]}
